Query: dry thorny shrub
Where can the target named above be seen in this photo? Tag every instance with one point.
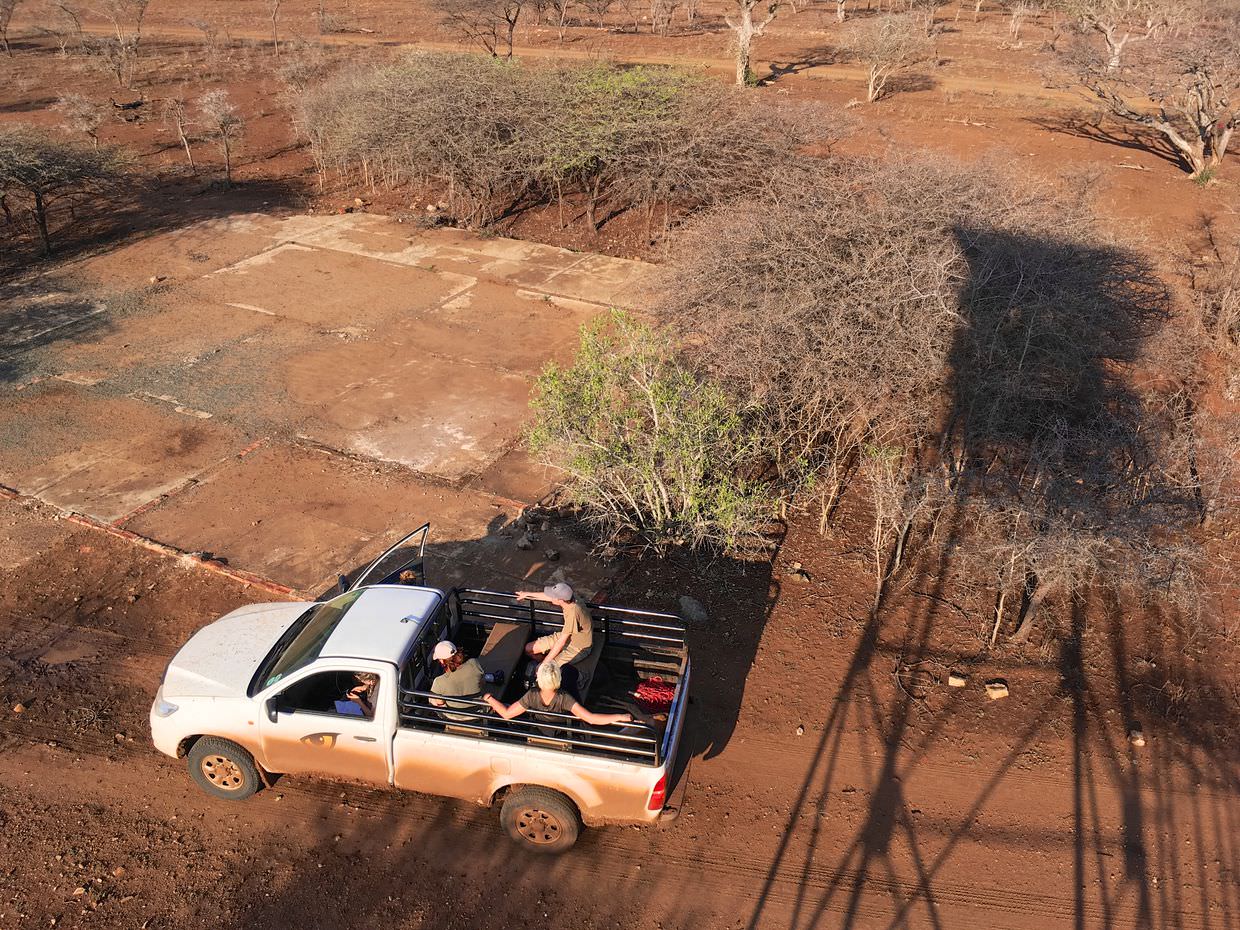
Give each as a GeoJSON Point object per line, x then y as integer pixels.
{"type": "Point", "coordinates": [498, 135]}
{"type": "Point", "coordinates": [969, 347]}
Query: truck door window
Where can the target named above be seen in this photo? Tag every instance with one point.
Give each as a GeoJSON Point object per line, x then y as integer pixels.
{"type": "Point", "coordinates": [342, 694]}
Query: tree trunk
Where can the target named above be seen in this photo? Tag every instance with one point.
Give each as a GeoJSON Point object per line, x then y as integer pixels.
{"type": "Point", "coordinates": [227, 163]}
{"type": "Point", "coordinates": [40, 215]}
{"type": "Point", "coordinates": [744, 43]}
{"type": "Point", "coordinates": [188, 154]}
{"type": "Point", "coordinates": [1038, 596]}
{"type": "Point", "coordinates": [841, 10]}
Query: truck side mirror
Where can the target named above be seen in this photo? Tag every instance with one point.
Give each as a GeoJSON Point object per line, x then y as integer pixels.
{"type": "Point", "coordinates": [272, 713]}
{"type": "Point", "coordinates": [342, 584]}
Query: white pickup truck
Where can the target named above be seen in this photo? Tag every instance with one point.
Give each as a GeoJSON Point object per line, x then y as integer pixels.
{"type": "Point", "coordinates": [257, 693]}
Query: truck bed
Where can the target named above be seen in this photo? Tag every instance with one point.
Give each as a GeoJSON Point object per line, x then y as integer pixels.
{"type": "Point", "coordinates": [630, 647]}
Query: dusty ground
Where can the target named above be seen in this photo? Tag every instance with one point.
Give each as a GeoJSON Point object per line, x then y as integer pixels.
{"type": "Point", "coordinates": [298, 386]}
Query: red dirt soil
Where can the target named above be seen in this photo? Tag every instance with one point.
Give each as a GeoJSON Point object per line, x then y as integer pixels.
{"type": "Point", "coordinates": [837, 781]}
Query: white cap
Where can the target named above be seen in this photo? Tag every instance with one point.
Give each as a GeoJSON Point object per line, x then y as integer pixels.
{"type": "Point", "coordinates": [561, 591]}
{"type": "Point", "coordinates": [443, 650]}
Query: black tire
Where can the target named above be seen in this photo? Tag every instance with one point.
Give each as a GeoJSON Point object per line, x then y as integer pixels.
{"type": "Point", "coordinates": [541, 820]}
{"type": "Point", "coordinates": [223, 769]}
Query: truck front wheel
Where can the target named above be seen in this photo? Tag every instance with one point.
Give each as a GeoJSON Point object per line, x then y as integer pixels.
{"type": "Point", "coordinates": [540, 819]}
{"type": "Point", "coordinates": [223, 768]}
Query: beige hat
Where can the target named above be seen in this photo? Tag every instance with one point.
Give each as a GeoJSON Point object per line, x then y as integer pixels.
{"type": "Point", "coordinates": [443, 650]}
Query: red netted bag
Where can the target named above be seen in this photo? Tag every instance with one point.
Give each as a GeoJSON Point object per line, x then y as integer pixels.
{"type": "Point", "coordinates": [654, 694]}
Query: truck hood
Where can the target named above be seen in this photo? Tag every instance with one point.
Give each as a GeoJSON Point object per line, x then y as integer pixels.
{"type": "Point", "coordinates": [220, 659]}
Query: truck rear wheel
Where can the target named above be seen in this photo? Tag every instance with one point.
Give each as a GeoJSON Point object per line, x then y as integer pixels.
{"type": "Point", "coordinates": [541, 820]}
{"type": "Point", "coordinates": [223, 768]}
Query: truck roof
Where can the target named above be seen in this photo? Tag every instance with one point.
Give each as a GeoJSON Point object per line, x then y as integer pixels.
{"type": "Point", "coordinates": [381, 623]}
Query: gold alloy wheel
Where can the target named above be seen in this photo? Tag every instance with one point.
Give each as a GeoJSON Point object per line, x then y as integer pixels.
{"type": "Point", "coordinates": [222, 772]}
{"type": "Point", "coordinates": [538, 826]}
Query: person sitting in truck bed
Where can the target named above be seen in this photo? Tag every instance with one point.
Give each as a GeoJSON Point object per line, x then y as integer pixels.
{"type": "Point", "coordinates": [547, 697]}
{"type": "Point", "coordinates": [461, 677]}
{"type": "Point", "coordinates": [577, 636]}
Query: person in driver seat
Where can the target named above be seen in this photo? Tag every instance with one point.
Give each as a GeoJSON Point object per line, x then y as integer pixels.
{"type": "Point", "coordinates": [359, 700]}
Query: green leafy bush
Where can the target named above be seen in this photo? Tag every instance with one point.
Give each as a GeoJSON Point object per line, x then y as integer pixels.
{"type": "Point", "coordinates": [651, 452]}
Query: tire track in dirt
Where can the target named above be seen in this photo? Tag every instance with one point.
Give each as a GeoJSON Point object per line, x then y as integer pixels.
{"type": "Point", "coordinates": [726, 873]}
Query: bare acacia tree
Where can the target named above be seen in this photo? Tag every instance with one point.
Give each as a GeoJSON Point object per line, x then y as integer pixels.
{"type": "Point", "coordinates": [81, 115]}
{"type": "Point", "coordinates": [71, 12]}
{"type": "Point", "coordinates": [745, 28]}
{"type": "Point", "coordinates": [46, 173]}
{"type": "Point", "coordinates": [595, 140]}
{"type": "Point", "coordinates": [223, 121]}
{"type": "Point", "coordinates": [560, 10]}
{"type": "Point", "coordinates": [599, 8]}
{"type": "Point", "coordinates": [6, 16]}
{"type": "Point", "coordinates": [959, 343]}
{"type": "Point", "coordinates": [887, 45]}
{"type": "Point", "coordinates": [490, 23]}
{"type": "Point", "coordinates": [1190, 92]}
{"type": "Point", "coordinates": [1120, 22]}
{"type": "Point", "coordinates": [176, 115]}
{"type": "Point", "coordinates": [273, 12]}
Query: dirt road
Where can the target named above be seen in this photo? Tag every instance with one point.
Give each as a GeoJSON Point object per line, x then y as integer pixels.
{"type": "Point", "coordinates": [933, 810]}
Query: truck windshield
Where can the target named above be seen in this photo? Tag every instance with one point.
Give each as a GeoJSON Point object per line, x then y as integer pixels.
{"type": "Point", "coordinates": [310, 633]}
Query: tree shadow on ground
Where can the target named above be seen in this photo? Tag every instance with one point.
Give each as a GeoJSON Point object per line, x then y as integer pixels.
{"type": "Point", "coordinates": [899, 867]}
{"type": "Point", "coordinates": [143, 208]}
{"type": "Point", "coordinates": [1098, 128]}
{"type": "Point", "coordinates": [35, 315]}
{"type": "Point", "coordinates": [800, 61]}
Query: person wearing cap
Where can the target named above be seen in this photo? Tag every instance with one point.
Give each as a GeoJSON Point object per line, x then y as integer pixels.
{"type": "Point", "coordinates": [461, 677]}
{"type": "Point", "coordinates": [577, 636]}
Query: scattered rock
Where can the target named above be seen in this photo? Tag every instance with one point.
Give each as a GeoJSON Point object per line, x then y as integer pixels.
{"type": "Point", "coordinates": [119, 737]}
{"type": "Point", "coordinates": [156, 278]}
{"type": "Point", "coordinates": [118, 871]}
{"type": "Point", "coordinates": [552, 555]}
{"type": "Point", "coordinates": [546, 525]}
{"type": "Point", "coordinates": [19, 708]}
{"type": "Point", "coordinates": [431, 208]}
{"type": "Point", "coordinates": [800, 575]}
{"type": "Point", "coordinates": [525, 541]}
{"type": "Point", "coordinates": [358, 202]}
{"type": "Point", "coordinates": [996, 689]}
{"type": "Point", "coordinates": [1137, 737]}
{"type": "Point", "coordinates": [957, 679]}
{"type": "Point", "coordinates": [794, 566]}
{"type": "Point", "coordinates": [800, 731]}
{"type": "Point", "coordinates": [79, 891]}
{"type": "Point", "coordinates": [693, 610]}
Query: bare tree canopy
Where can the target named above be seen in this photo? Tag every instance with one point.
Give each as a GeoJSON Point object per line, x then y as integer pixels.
{"type": "Point", "coordinates": [492, 24]}
{"type": "Point", "coordinates": [45, 173]}
{"type": "Point", "coordinates": [496, 133]}
{"type": "Point", "coordinates": [6, 16]}
{"type": "Point", "coordinates": [887, 45]}
{"type": "Point", "coordinates": [1122, 22]}
{"type": "Point", "coordinates": [223, 121]}
{"type": "Point", "coordinates": [963, 350]}
{"type": "Point", "coordinates": [81, 115]}
{"type": "Point", "coordinates": [1184, 92]}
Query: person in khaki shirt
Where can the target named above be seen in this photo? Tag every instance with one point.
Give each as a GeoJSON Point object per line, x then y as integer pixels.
{"type": "Point", "coordinates": [577, 636]}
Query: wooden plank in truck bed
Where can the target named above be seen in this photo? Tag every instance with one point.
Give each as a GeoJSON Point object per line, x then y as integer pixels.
{"type": "Point", "coordinates": [502, 653]}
